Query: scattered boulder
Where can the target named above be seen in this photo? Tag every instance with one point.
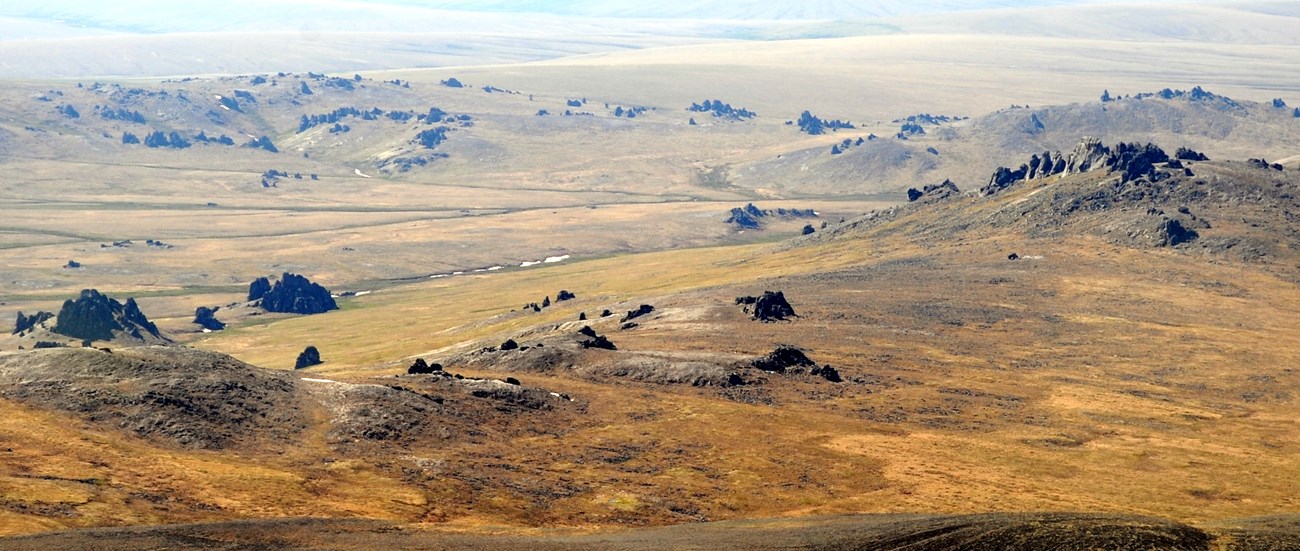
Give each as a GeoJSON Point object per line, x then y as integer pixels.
{"type": "Point", "coordinates": [641, 311]}
{"type": "Point", "coordinates": [587, 331]}
{"type": "Point", "coordinates": [1013, 256]}
{"type": "Point", "coordinates": [809, 229]}
{"type": "Point", "coordinates": [546, 302]}
{"type": "Point", "coordinates": [782, 359]}
{"type": "Point", "coordinates": [606, 314]}
{"type": "Point", "coordinates": [30, 322]}
{"type": "Point", "coordinates": [510, 344]}
{"type": "Point", "coordinates": [582, 316]}
{"type": "Point", "coordinates": [309, 357]}
{"type": "Point", "coordinates": [420, 367]}
{"type": "Point", "coordinates": [94, 316]}
{"type": "Point", "coordinates": [72, 264]}
{"type": "Point", "coordinates": [513, 381]}
{"type": "Point", "coordinates": [771, 306]}
{"type": "Point", "coordinates": [207, 318]}
{"type": "Point", "coordinates": [295, 294]}
{"type": "Point", "coordinates": [564, 295]}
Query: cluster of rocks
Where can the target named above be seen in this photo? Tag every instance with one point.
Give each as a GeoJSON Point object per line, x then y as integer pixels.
{"type": "Point", "coordinates": [850, 143]}
{"type": "Point", "coordinates": [1132, 161]}
{"type": "Point", "coordinates": [770, 306]}
{"type": "Point", "coordinates": [1263, 165]}
{"type": "Point", "coordinates": [562, 296]}
{"type": "Point", "coordinates": [751, 217]}
{"type": "Point", "coordinates": [935, 191]}
{"type": "Point", "coordinates": [26, 323]}
{"type": "Point", "coordinates": [293, 294]}
{"type": "Point", "coordinates": [95, 317]}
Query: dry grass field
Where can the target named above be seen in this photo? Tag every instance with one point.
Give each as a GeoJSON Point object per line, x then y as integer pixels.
{"type": "Point", "coordinates": [1100, 371]}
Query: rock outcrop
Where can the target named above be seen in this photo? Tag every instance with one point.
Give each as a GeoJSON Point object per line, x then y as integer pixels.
{"type": "Point", "coordinates": [295, 294]}
{"type": "Point", "coordinates": [935, 191]}
{"type": "Point", "coordinates": [1131, 160]}
{"type": "Point", "coordinates": [207, 318]}
{"type": "Point", "coordinates": [25, 323]}
{"type": "Point", "coordinates": [420, 367]}
{"type": "Point", "coordinates": [258, 288]}
{"type": "Point", "coordinates": [96, 317]}
{"type": "Point", "coordinates": [751, 217]}
{"type": "Point", "coordinates": [783, 359]}
{"type": "Point", "coordinates": [599, 341]}
{"type": "Point", "coordinates": [564, 295]}
{"type": "Point", "coordinates": [307, 358]}
{"type": "Point", "coordinates": [771, 306]}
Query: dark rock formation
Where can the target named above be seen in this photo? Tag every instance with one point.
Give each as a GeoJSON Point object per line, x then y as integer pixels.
{"type": "Point", "coordinates": [750, 216]}
{"type": "Point", "coordinates": [95, 317]}
{"type": "Point", "coordinates": [295, 294]}
{"type": "Point", "coordinates": [782, 359]}
{"type": "Point", "coordinates": [771, 306]}
{"type": "Point", "coordinates": [1171, 232]}
{"type": "Point", "coordinates": [29, 322]}
{"type": "Point", "coordinates": [721, 110]}
{"type": "Point", "coordinates": [1135, 161]}
{"type": "Point", "coordinates": [258, 288]}
{"type": "Point", "coordinates": [641, 311]}
{"type": "Point", "coordinates": [808, 230]}
{"type": "Point", "coordinates": [599, 341]}
{"type": "Point", "coordinates": [1263, 165]}
{"type": "Point", "coordinates": [207, 318]}
{"type": "Point", "coordinates": [1013, 256]}
{"type": "Point", "coordinates": [1187, 154]}
{"type": "Point", "coordinates": [935, 191]}
{"type": "Point", "coordinates": [420, 367]}
{"type": "Point", "coordinates": [1131, 160]}
{"type": "Point", "coordinates": [586, 330]}
{"type": "Point", "coordinates": [829, 373]}
{"type": "Point", "coordinates": [510, 344]}
{"type": "Point", "coordinates": [606, 314]}
{"type": "Point", "coordinates": [747, 217]}
{"type": "Point", "coordinates": [564, 295]}
{"type": "Point", "coordinates": [582, 316]}
{"type": "Point", "coordinates": [546, 302]}
{"type": "Point", "coordinates": [309, 357]}
{"type": "Point", "coordinates": [72, 264]}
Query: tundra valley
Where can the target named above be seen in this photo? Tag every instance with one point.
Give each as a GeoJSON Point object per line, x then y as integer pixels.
{"type": "Point", "coordinates": [439, 274]}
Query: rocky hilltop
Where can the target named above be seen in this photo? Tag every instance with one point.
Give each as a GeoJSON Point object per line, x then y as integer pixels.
{"type": "Point", "coordinates": [1131, 194]}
